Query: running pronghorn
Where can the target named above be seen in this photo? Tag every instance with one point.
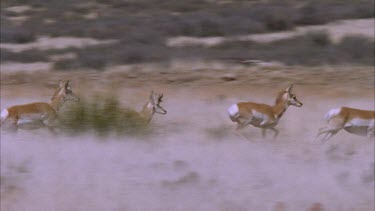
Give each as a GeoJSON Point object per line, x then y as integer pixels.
{"type": "Point", "coordinates": [151, 107]}
{"type": "Point", "coordinates": [262, 115]}
{"type": "Point", "coordinates": [39, 114]}
{"type": "Point", "coordinates": [356, 121]}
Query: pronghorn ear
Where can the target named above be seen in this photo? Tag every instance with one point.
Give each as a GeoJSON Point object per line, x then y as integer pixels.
{"type": "Point", "coordinates": [61, 84]}
{"type": "Point", "coordinates": [289, 89]}
{"type": "Point", "coordinates": [67, 84]}
{"type": "Point", "coordinates": [152, 96]}
{"type": "Point", "coordinates": [160, 97]}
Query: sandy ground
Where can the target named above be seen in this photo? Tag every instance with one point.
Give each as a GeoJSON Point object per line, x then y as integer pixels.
{"type": "Point", "coordinates": [193, 160]}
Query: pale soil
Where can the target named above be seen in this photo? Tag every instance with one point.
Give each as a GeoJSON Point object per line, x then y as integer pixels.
{"type": "Point", "coordinates": [193, 160]}
{"type": "Point", "coordinates": [336, 30]}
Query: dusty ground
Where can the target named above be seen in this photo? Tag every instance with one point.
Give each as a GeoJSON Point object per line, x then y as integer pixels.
{"type": "Point", "coordinates": [193, 160]}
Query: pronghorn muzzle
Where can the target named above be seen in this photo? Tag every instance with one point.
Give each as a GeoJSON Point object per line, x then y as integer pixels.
{"type": "Point", "coordinates": [160, 110]}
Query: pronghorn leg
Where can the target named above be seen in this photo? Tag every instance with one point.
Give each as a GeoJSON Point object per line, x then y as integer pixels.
{"type": "Point", "coordinates": [320, 133]}
{"type": "Point", "coordinates": [276, 132]}
{"type": "Point", "coordinates": [325, 136]}
{"type": "Point", "coordinates": [240, 126]}
{"type": "Point", "coordinates": [239, 134]}
{"type": "Point", "coordinates": [323, 130]}
{"type": "Point", "coordinates": [328, 134]}
{"type": "Point", "coordinates": [52, 130]}
{"type": "Point", "coordinates": [242, 123]}
{"type": "Point", "coordinates": [50, 125]}
{"type": "Point", "coordinates": [371, 132]}
{"type": "Point", "coordinates": [263, 132]}
{"type": "Point", "coordinates": [11, 125]}
{"type": "Point", "coordinates": [237, 131]}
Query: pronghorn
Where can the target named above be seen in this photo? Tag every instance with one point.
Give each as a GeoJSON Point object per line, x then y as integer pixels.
{"type": "Point", "coordinates": [151, 107]}
{"type": "Point", "coordinates": [261, 115]}
{"type": "Point", "coordinates": [356, 121]}
{"type": "Point", "coordinates": [39, 114]}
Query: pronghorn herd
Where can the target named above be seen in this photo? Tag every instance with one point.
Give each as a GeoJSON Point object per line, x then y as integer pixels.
{"type": "Point", "coordinates": [356, 121]}
{"type": "Point", "coordinates": [266, 117]}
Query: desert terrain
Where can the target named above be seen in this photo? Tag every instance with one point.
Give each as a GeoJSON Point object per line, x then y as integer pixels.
{"type": "Point", "coordinates": [203, 56]}
{"type": "Point", "coordinates": [193, 160]}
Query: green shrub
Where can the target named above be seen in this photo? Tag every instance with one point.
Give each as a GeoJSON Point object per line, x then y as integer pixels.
{"type": "Point", "coordinates": [102, 115]}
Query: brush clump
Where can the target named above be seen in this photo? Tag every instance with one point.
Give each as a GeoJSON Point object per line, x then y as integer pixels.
{"type": "Point", "coordinates": [102, 115]}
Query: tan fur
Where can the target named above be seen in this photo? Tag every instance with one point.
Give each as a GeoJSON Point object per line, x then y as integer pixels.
{"type": "Point", "coordinates": [343, 120]}
{"type": "Point", "coordinates": [262, 115]}
{"type": "Point", "coordinates": [351, 113]}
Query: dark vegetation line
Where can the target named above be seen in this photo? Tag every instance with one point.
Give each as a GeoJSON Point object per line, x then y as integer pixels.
{"type": "Point", "coordinates": [142, 26]}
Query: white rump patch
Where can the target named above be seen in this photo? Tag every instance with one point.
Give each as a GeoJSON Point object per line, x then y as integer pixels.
{"type": "Point", "coordinates": [4, 114]}
{"type": "Point", "coordinates": [331, 113]}
{"type": "Point", "coordinates": [233, 110]}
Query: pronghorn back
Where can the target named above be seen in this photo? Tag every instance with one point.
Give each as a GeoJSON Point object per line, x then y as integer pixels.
{"type": "Point", "coordinates": [246, 107]}
{"type": "Point", "coordinates": [349, 113]}
{"type": "Point", "coordinates": [30, 109]}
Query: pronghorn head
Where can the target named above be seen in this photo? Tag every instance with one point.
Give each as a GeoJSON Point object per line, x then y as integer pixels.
{"type": "Point", "coordinates": [64, 93]}
{"type": "Point", "coordinates": [292, 98]}
{"type": "Point", "coordinates": [155, 100]}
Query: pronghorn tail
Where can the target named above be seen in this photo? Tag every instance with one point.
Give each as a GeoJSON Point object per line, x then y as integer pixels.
{"type": "Point", "coordinates": [4, 115]}
{"type": "Point", "coordinates": [233, 112]}
{"type": "Point", "coordinates": [331, 113]}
